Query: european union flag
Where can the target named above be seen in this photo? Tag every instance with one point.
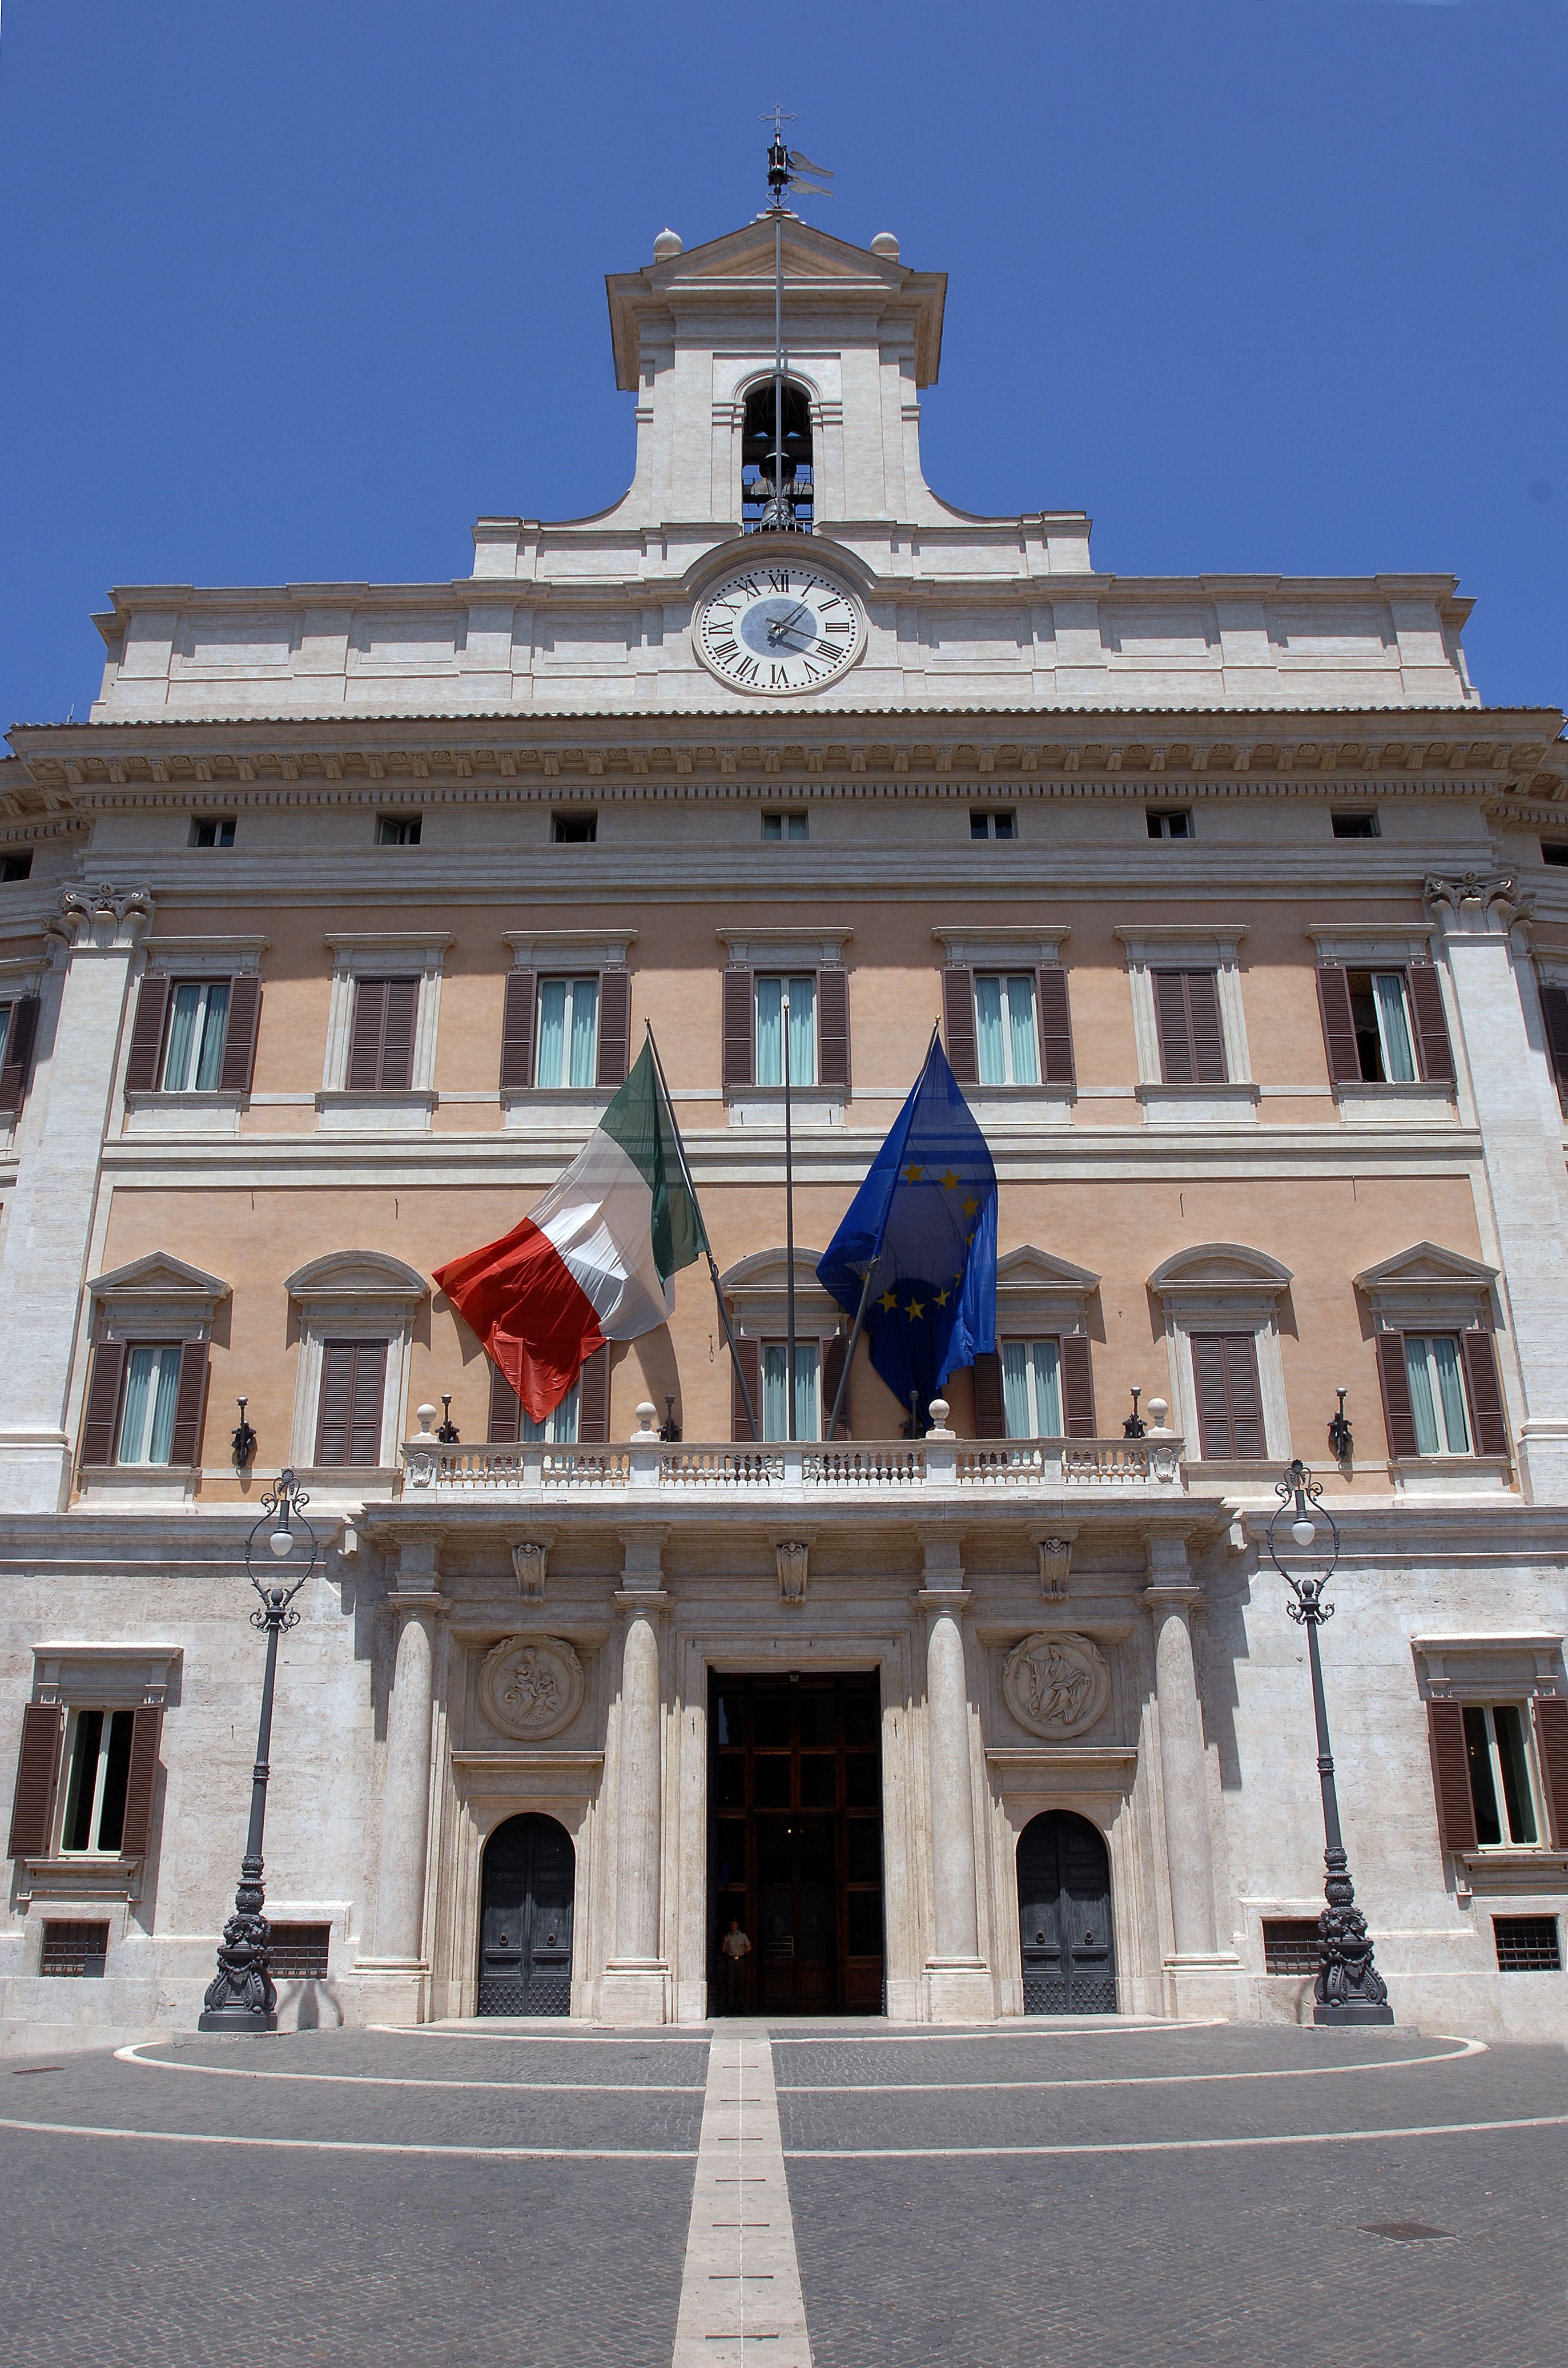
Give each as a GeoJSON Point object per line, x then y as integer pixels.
{"type": "Point", "coordinates": [924, 1225]}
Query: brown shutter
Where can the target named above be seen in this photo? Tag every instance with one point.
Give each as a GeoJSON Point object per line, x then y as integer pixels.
{"type": "Point", "coordinates": [1338, 1024]}
{"type": "Point", "coordinates": [1551, 1750]}
{"type": "Point", "coordinates": [1055, 1028]}
{"type": "Point", "coordinates": [397, 1039]}
{"type": "Point", "coordinates": [1077, 1386]}
{"type": "Point", "coordinates": [1450, 1775]}
{"type": "Point", "coordinates": [37, 1773]}
{"type": "Point", "coordinates": [1487, 1417]}
{"type": "Point", "coordinates": [140, 1778]}
{"type": "Point", "coordinates": [365, 1037]}
{"type": "Point", "coordinates": [1554, 1012]}
{"type": "Point", "coordinates": [1431, 1027]}
{"type": "Point", "coordinates": [832, 1376]}
{"type": "Point", "coordinates": [738, 1025]}
{"type": "Point", "coordinates": [1208, 1035]}
{"type": "Point", "coordinates": [147, 1035]}
{"type": "Point", "coordinates": [990, 1406]}
{"type": "Point", "coordinates": [615, 1026]}
{"type": "Point", "coordinates": [336, 1396]}
{"type": "Point", "coordinates": [1176, 1063]}
{"type": "Point", "coordinates": [367, 1403]}
{"type": "Point", "coordinates": [592, 1400]}
{"type": "Point", "coordinates": [1246, 1403]}
{"type": "Point", "coordinates": [506, 1410]}
{"type": "Point", "coordinates": [1213, 1399]}
{"type": "Point", "coordinates": [190, 1402]}
{"type": "Point", "coordinates": [517, 1032]}
{"type": "Point", "coordinates": [747, 1361]}
{"type": "Point", "coordinates": [1399, 1415]}
{"type": "Point", "coordinates": [103, 1402]}
{"type": "Point", "coordinates": [958, 1023]}
{"type": "Point", "coordinates": [20, 1037]}
{"type": "Point", "coordinates": [833, 1026]}
{"type": "Point", "coordinates": [239, 1039]}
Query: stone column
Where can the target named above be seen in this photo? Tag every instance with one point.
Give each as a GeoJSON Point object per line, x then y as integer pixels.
{"type": "Point", "coordinates": [636, 1985]}
{"type": "Point", "coordinates": [50, 1225]}
{"type": "Point", "coordinates": [1498, 1011]}
{"type": "Point", "coordinates": [399, 1971]}
{"type": "Point", "coordinates": [1184, 1777]}
{"type": "Point", "coordinates": [958, 1980]}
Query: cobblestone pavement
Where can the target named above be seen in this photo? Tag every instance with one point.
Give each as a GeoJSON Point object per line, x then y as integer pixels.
{"type": "Point", "coordinates": [1035, 2195]}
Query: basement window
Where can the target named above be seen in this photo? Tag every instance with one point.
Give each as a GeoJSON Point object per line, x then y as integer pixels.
{"type": "Point", "coordinates": [76, 1951]}
{"type": "Point", "coordinates": [1290, 1945]}
{"type": "Point", "coordinates": [300, 1952]}
{"type": "Point", "coordinates": [1354, 822]}
{"type": "Point", "coordinates": [1528, 1944]}
{"type": "Point", "coordinates": [574, 829]}
{"type": "Point", "coordinates": [398, 830]}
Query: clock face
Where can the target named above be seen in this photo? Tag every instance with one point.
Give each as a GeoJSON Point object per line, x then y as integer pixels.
{"type": "Point", "coordinates": [780, 628]}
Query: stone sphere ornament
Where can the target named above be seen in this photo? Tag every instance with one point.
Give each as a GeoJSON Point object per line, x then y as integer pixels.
{"type": "Point", "coordinates": [1056, 1684]}
{"type": "Point", "coordinates": [530, 1687]}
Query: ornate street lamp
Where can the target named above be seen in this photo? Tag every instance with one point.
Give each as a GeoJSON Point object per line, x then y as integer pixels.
{"type": "Point", "coordinates": [241, 1996]}
{"type": "Point", "coordinates": [1349, 1987]}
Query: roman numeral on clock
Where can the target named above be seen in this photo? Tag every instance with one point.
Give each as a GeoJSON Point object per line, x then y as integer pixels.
{"type": "Point", "coordinates": [779, 579]}
{"type": "Point", "coordinates": [747, 671]}
{"type": "Point", "coordinates": [726, 649]}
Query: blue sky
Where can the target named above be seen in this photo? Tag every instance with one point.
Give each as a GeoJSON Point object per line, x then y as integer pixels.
{"type": "Point", "coordinates": [294, 292]}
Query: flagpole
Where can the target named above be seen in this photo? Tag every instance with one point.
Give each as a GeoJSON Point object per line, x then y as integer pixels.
{"type": "Point", "coordinates": [789, 1226]}
{"type": "Point", "coordinates": [736, 1366]}
{"type": "Point", "coordinates": [832, 1430]}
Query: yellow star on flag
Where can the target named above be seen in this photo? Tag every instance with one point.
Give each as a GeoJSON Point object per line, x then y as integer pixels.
{"type": "Point", "coordinates": [916, 1307]}
{"type": "Point", "coordinates": [888, 1302]}
{"type": "Point", "coordinates": [951, 1182]}
{"type": "Point", "coordinates": [970, 1205]}
{"type": "Point", "coordinates": [941, 1298]}
{"type": "Point", "coordinates": [912, 1173]}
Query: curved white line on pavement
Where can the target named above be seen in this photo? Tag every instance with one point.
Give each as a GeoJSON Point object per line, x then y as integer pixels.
{"type": "Point", "coordinates": [594, 2034]}
{"type": "Point", "coordinates": [383, 2080]}
{"type": "Point", "coordinates": [1015, 2027]}
{"type": "Point", "coordinates": [1455, 2054]}
{"type": "Point", "coordinates": [1171, 2146]}
{"type": "Point", "coordinates": [363, 2146]}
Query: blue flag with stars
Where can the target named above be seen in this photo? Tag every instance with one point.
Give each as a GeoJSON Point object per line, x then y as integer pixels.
{"type": "Point", "coordinates": [925, 1220]}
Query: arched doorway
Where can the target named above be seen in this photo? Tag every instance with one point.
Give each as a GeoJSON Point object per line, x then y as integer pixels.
{"type": "Point", "coordinates": [524, 1923]}
{"type": "Point", "coordinates": [1064, 1916]}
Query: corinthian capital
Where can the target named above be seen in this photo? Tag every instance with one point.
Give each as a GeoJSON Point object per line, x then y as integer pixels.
{"type": "Point", "coordinates": [104, 917]}
{"type": "Point", "coordinates": [1479, 903]}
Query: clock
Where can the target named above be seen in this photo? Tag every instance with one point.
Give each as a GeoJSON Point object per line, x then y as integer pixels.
{"type": "Point", "coordinates": [779, 630]}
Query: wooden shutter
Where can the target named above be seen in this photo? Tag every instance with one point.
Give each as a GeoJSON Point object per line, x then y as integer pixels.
{"type": "Point", "coordinates": [239, 1035]}
{"type": "Point", "coordinates": [1554, 1012]}
{"type": "Point", "coordinates": [190, 1403]}
{"type": "Point", "coordinates": [1055, 1028]}
{"type": "Point", "coordinates": [103, 1402]}
{"type": "Point", "coordinates": [397, 1039]}
{"type": "Point", "coordinates": [593, 1399]}
{"type": "Point", "coordinates": [506, 1410]}
{"type": "Point", "coordinates": [1338, 1024]}
{"type": "Point", "coordinates": [746, 1362]}
{"type": "Point", "coordinates": [1399, 1415]}
{"type": "Point", "coordinates": [1230, 1409]}
{"type": "Point", "coordinates": [1431, 1027]}
{"type": "Point", "coordinates": [140, 1777]}
{"type": "Point", "coordinates": [20, 1037]}
{"type": "Point", "coordinates": [367, 1403]}
{"type": "Point", "coordinates": [365, 1036]}
{"type": "Point", "coordinates": [833, 1026]}
{"type": "Point", "coordinates": [1208, 1034]}
{"type": "Point", "coordinates": [831, 1377]}
{"type": "Point", "coordinates": [1450, 1775]}
{"type": "Point", "coordinates": [990, 1404]}
{"type": "Point", "coordinates": [147, 1035]}
{"type": "Point", "coordinates": [958, 1024]}
{"type": "Point", "coordinates": [517, 1032]}
{"type": "Point", "coordinates": [615, 1026]}
{"type": "Point", "coordinates": [37, 1774]}
{"type": "Point", "coordinates": [1077, 1386]}
{"type": "Point", "coordinates": [739, 1026]}
{"type": "Point", "coordinates": [1487, 1419]}
{"type": "Point", "coordinates": [336, 1399]}
{"type": "Point", "coordinates": [1178, 1062]}
{"type": "Point", "coordinates": [1246, 1400]}
{"type": "Point", "coordinates": [1551, 1751]}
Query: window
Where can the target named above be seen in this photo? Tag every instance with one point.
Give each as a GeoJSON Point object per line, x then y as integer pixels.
{"type": "Point", "coordinates": [983, 824]}
{"type": "Point", "coordinates": [353, 1393]}
{"type": "Point", "coordinates": [1436, 1393]}
{"type": "Point", "coordinates": [5, 1010]}
{"type": "Point", "coordinates": [1192, 1040]}
{"type": "Point", "coordinates": [380, 1048]}
{"type": "Point", "coordinates": [100, 1769]}
{"type": "Point", "coordinates": [775, 1390]}
{"type": "Point", "coordinates": [148, 1406]}
{"type": "Point", "coordinates": [1380, 1011]}
{"type": "Point", "coordinates": [1552, 851]}
{"type": "Point", "coordinates": [1528, 1944]}
{"type": "Point", "coordinates": [1168, 822]}
{"type": "Point", "coordinates": [568, 1031]}
{"type": "Point", "coordinates": [1354, 822]}
{"type": "Point", "coordinates": [1500, 1789]}
{"type": "Point", "coordinates": [19, 1033]}
{"type": "Point", "coordinates": [193, 1051]}
{"type": "Point", "coordinates": [1384, 1026]}
{"type": "Point", "coordinates": [574, 829]}
{"type": "Point", "coordinates": [582, 1419]}
{"type": "Point", "coordinates": [1007, 1035]}
{"type": "Point", "coordinates": [300, 1952]}
{"type": "Point", "coordinates": [784, 825]}
{"type": "Point", "coordinates": [19, 866]}
{"type": "Point", "coordinates": [209, 831]}
{"type": "Point", "coordinates": [1291, 1945]}
{"type": "Point", "coordinates": [1230, 1406]}
{"type": "Point", "coordinates": [1032, 1389]}
{"type": "Point", "coordinates": [558, 1428]}
{"type": "Point", "coordinates": [74, 1950]}
{"type": "Point", "coordinates": [398, 830]}
{"type": "Point", "coordinates": [802, 992]}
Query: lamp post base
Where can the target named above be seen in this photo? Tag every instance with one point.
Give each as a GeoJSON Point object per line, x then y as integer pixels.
{"type": "Point", "coordinates": [1354, 2010]}
{"type": "Point", "coordinates": [237, 2017]}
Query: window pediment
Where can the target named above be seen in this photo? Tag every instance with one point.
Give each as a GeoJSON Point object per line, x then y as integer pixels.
{"type": "Point", "coordinates": [1218, 1269]}
{"type": "Point", "coordinates": [1428, 1285]}
{"type": "Point", "coordinates": [1033, 1287]}
{"type": "Point", "coordinates": [786, 949]}
{"type": "Point", "coordinates": [357, 1278]}
{"type": "Point", "coordinates": [757, 1288]}
{"type": "Point", "coordinates": [157, 1293]}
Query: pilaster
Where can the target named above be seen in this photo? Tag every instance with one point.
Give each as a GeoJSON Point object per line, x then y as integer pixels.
{"type": "Point", "coordinates": [636, 1986]}
{"type": "Point", "coordinates": [1199, 1977]}
{"type": "Point", "coordinates": [958, 1980]}
{"type": "Point", "coordinates": [397, 1978]}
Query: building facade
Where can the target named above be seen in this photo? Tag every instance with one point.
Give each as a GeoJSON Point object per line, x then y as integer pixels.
{"type": "Point", "coordinates": [330, 935]}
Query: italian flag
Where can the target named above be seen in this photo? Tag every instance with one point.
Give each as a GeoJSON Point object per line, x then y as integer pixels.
{"type": "Point", "coordinates": [593, 1261]}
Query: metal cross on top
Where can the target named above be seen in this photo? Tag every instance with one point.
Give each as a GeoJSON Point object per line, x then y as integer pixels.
{"type": "Point", "coordinates": [790, 172]}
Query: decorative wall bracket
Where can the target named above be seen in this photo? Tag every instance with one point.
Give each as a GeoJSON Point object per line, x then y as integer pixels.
{"type": "Point", "coordinates": [528, 1558]}
{"type": "Point", "coordinates": [790, 1555]}
{"type": "Point", "coordinates": [1055, 1562]}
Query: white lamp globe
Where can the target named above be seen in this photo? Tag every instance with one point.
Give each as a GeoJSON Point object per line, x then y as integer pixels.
{"type": "Point", "coordinates": [281, 1541]}
{"type": "Point", "coordinates": [1303, 1530]}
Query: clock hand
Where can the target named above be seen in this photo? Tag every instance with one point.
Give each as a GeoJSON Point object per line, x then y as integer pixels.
{"type": "Point", "coordinates": [782, 625]}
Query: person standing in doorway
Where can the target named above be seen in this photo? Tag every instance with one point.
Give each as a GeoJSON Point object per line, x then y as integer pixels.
{"type": "Point", "coordinates": [734, 1948]}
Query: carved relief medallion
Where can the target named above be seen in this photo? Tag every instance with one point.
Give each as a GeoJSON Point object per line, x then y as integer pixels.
{"type": "Point", "coordinates": [532, 1687]}
{"type": "Point", "coordinates": [1056, 1684]}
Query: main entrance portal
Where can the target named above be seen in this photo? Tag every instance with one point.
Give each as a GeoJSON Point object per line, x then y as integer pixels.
{"type": "Point", "coordinates": [525, 1932]}
{"type": "Point", "coordinates": [795, 1843]}
{"type": "Point", "coordinates": [1064, 1916]}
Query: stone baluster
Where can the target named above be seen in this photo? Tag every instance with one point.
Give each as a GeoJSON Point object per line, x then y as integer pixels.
{"type": "Point", "coordinates": [958, 1980]}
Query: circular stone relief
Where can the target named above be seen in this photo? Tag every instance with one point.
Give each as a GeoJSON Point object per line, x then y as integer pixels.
{"type": "Point", "coordinates": [1056, 1684]}
{"type": "Point", "coordinates": [531, 1686]}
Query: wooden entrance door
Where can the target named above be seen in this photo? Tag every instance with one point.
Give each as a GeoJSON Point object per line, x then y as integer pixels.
{"type": "Point", "coordinates": [524, 1938]}
{"type": "Point", "coordinates": [1064, 1916]}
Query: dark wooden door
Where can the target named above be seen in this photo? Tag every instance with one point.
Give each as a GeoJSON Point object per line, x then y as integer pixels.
{"type": "Point", "coordinates": [1064, 1916]}
{"type": "Point", "coordinates": [524, 1938]}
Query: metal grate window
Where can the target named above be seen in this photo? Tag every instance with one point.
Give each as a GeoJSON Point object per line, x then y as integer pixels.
{"type": "Point", "coordinates": [300, 1952]}
{"type": "Point", "coordinates": [77, 1950]}
{"type": "Point", "coordinates": [1528, 1944]}
{"type": "Point", "coordinates": [1291, 1945]}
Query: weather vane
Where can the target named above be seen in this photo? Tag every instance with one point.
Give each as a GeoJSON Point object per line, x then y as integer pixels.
{"type": "Point", "coordinates": [790, 173]}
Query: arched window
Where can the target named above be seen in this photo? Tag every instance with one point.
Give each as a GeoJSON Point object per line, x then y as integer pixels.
{"type": "Point", "coordinates": [790, 504]}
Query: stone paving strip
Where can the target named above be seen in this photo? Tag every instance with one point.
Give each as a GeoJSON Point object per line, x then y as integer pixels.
{"type": "Point", "coordinates": [739, 2297]}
